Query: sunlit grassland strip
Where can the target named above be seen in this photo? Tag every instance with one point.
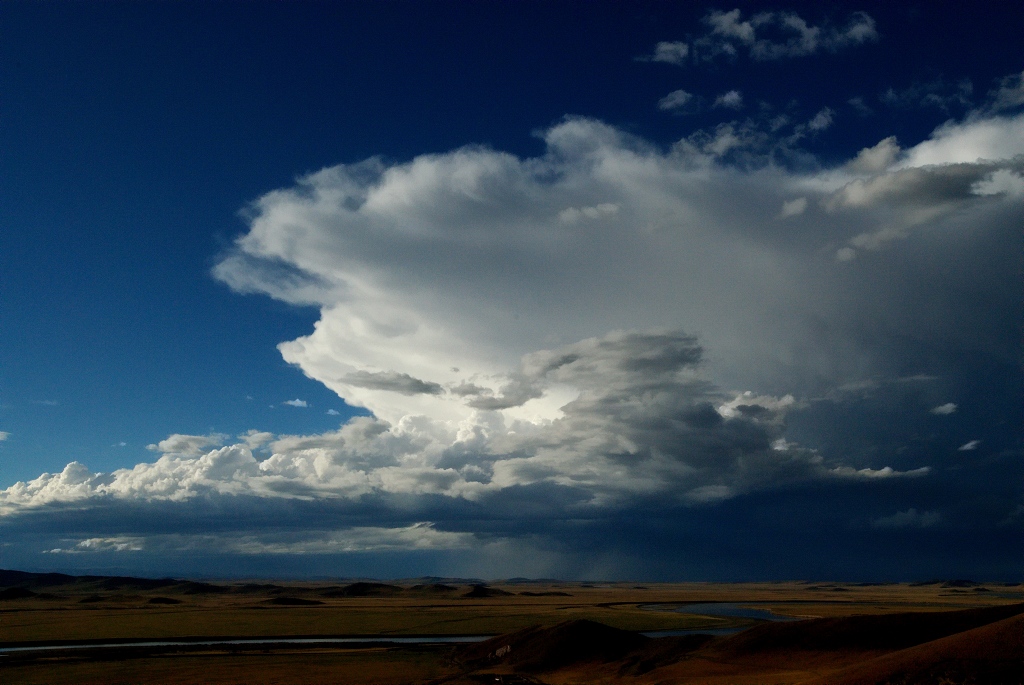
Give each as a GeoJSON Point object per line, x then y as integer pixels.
{"type": "Point", "coordinates": [145, 622]}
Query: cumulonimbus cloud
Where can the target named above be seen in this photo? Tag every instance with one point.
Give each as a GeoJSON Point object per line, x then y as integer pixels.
{"type": "Point", "coordinates": [609, 318]}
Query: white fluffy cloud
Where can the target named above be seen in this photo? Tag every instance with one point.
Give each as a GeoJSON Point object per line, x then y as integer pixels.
{"type": "Point", "coordinates": [993, 139]}
{"type": "Point", "coordinates": [187, 445]}
{"type": "Point", "coordinates": [876, 158]}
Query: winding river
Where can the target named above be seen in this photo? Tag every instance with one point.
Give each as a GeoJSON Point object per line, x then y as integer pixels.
{"type": "Point", "coordinates": [371, 640]}
{"type": "Point", "coordinates": [717, 609]}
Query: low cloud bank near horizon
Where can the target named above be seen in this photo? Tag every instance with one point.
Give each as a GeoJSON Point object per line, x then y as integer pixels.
{"type": "Point", "coordinates": [643, 422]}
{"type": "Point", "coordinates": [614, 334]}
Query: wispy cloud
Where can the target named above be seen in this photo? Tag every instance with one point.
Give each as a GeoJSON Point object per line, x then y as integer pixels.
{"type": "Point", "coordinates": [571, 215]}
{"type": "Point", "coordinates": [296, 403]}
{"type": "Point", "coordinates": [860, 106]}
{"type": "Point", "coordinates": [911, 518]}
{"type": "Point", "coordinates": [418, 536]}
{"type": "Point", "coordinates": [675, 101]}
{"type": "Point", "coordinates": [731, 100]}
{"type": "Point", "coordinates": [109, 544]}
{"type": "Point", "coordinates": [822, 120]}
{"type": "Point", "coordinates": [669, 52]}
{"type": "Point", "coordinates": [1009, 95]}
{"type": "Point", "coordinates": [764, 36]}
{"type": "Point", "coordinates": [939, 94]}
{"type": "Point", "coordinates": [877, 474]}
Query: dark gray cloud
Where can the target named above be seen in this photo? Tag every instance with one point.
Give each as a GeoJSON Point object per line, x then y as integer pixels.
{"type": "Point", "coordinates": [395, 382]}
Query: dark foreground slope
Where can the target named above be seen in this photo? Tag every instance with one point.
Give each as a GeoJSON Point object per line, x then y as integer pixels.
{"type": "Point", "coordinates": [977, 646]}
{"type": "Point", "coordinates": [990, 655]}
{"type": "Point", "coordinates": [861, 633]}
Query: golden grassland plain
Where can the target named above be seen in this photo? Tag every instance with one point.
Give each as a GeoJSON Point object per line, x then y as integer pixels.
{"type": "Point", "coordinates": [72, 613]}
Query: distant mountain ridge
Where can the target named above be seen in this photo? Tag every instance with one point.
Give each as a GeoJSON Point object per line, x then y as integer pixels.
{"type": "Point", "coordinates": [15, 585]}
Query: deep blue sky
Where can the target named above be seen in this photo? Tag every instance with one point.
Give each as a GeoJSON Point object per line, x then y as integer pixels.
{"type": "Point", "coordinates": [135, 136]}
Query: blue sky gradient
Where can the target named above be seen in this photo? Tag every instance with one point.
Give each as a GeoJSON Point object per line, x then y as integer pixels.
{"type": "Point", "coordinates": [165, 207]}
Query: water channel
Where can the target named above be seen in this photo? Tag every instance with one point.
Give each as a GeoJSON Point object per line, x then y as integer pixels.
{"type": "Point", "coordinates": [384, 639]}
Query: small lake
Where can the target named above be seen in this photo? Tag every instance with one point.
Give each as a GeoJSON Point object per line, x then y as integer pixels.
{"type": "Point", "coordinates": [716, 609]}
{"type": "Point", "coordinates": [729, 610]}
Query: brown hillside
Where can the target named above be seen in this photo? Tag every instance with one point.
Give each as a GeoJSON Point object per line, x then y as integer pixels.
{"type": "Point", "coordinates": [364, 590]}
{"type": "Point", "coordinates": [661, 651]}
{"type": "Point", "coordinates": [482, 591]}
{"type": "Point", "coordinates": [543, 649]}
